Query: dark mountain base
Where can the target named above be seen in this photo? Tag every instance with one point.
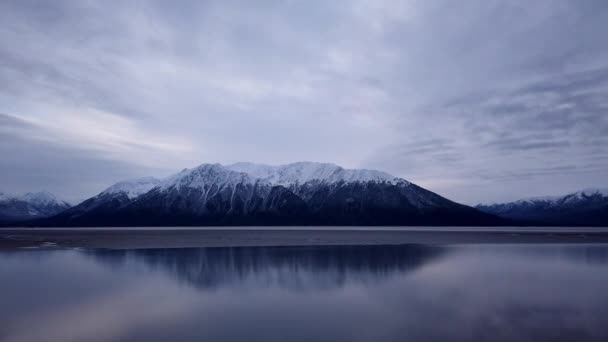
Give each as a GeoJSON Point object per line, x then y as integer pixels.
{"type": "Point", "coordinates": [153, 218]}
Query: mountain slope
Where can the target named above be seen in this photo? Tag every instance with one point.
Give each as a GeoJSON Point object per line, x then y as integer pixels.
{"type": "Point", "coordinates": [32, 205]}
{"type": "Point", "coordinates": [249, 194]}
{"type": "Point", "coordinates": [583, 208]}
{"type": "Point", "coordinates": [105, 203]}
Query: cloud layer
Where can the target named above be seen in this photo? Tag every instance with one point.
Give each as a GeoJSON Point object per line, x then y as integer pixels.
{"type": "Point", "coordinates": [477, 100]}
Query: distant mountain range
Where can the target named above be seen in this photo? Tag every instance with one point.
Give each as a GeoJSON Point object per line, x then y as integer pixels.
{"type": "Point", "coordinates": [303, 193]}
{"type": "Point", "coordinates": [583, 208]}
{"type": "Point", "coordinates": [32, 205]}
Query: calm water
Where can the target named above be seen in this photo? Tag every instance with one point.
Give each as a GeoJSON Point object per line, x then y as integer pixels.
{"type": "Point", "coordinates": [358, 293]}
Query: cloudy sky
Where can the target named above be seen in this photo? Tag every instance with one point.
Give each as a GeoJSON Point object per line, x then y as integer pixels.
{"type": "Point", "coordinates": [478, 100]}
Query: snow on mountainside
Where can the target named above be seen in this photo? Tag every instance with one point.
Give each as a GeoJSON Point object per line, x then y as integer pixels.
{"type": "Point", "coordinates": [42, 198]}
{"type": "Point", "coordinates": [303, 172]}
{"type": "Point", "coordinates": [30, 205]}
{"type": "Point", "coordinates": [285, 175]}
{"type": "Point", "coordinates": [586, 207]}
{"type": "Point", "coordinates": [572, 198]}
{"type": "Point", "coordinates": [133, 188]}
{"type": "Point", "coordinates": [114, 197]}
{"type": "Point", "coordinates": [206, 174]}
{"type": "Point", "coordinates": [304, 179]}
{"type": "Point", "coordinates": [38, 198]}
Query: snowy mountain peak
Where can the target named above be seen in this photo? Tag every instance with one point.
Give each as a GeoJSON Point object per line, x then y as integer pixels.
{"type": "Point", "coordinates": [133, 188]}
{"type": "Point", "coordinates": [30, 205]}
{"type": "Point", "coordinates": [286, 175]}
{"type": "Point", "coordinates": [572, 197]}
{"type": "Point", "coordinates": [206, 174]}
{"type": "Point", "coordinates": [303, 172]}
{"type": "Point", "coordinates": [555, 200]}
{"type": "Point", "coordinates": [40, 198]}
{"type": "Point", "coordinates": [585, 207]}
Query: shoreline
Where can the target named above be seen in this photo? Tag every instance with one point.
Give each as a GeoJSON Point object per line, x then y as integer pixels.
{"type": "Point", "coordinates": [192, 237]}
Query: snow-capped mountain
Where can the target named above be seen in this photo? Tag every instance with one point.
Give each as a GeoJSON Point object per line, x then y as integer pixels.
{"type": "Point", "coordinates": [586, 207]}
{"type": "Point", "coordinates": [30, 205]}
{"type": "Point", "coordinates": [303, 193]}
{"type": "Point", "coordinates": [113, 198]}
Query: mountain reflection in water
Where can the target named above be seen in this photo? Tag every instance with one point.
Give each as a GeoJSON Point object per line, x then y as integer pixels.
{"type": "Point", "coordinates": [287, 267]}
{"type": "Point", "coordinates": [331, 293]}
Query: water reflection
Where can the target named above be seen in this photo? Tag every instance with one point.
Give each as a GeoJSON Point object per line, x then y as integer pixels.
{"type": "Point", "coordinates": [296, 268]}
{"type": "Point", "coordinates": [347, 293]}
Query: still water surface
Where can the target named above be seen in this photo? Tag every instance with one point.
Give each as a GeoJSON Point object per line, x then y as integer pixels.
{"type": "Point", "coordinates": [341, 293]}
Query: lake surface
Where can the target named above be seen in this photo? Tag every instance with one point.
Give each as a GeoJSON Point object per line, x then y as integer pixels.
{"type": "Point", "coordinates": [509, 292]}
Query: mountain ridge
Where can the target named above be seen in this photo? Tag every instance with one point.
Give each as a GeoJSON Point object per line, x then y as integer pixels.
{"type": "Point", "coordinates": [580, 208]}
{"type": "Point", "coordinates": [30, 205]}
{"type": "Point", "coordinates": [303, 193]}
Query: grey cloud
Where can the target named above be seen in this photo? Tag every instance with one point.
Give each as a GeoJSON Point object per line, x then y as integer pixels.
{"type": "Point", "coordinates": [520, 144]}
{"type": "Point", "coordinates": [515, 135]}
{"type": "Point", "coordinates": [72, 174]}
{"type": "Point", "coordinates": [424, 146]}
{"type": "Point", "coordinates": [11, 122]}
{"type": "Point", "coordinates": [436, 92]}
{"type": "Point", "coordinates": [564, 108]}
{"type": "Point", "coordinates": [533, 173]}
{"type": "Point", "coordinates": [30, 163]}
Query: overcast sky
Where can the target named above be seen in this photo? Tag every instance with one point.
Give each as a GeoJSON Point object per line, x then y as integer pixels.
{"type": "Point", "coordinates": [478, 100]}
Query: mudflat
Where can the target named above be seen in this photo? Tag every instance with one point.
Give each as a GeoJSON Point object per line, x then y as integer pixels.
{"type": "Point", "coordinates": [172, 237]}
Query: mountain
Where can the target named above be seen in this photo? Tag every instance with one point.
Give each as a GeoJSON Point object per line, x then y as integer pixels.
{"type": "Point", "coordinates": [109, 201]}
{"type": "Point", "coordinates": [583, 208]}
{"type": "Point", "coordinates": [15, 208]}
{"type": "Point", "coordinates": [303, 193]}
